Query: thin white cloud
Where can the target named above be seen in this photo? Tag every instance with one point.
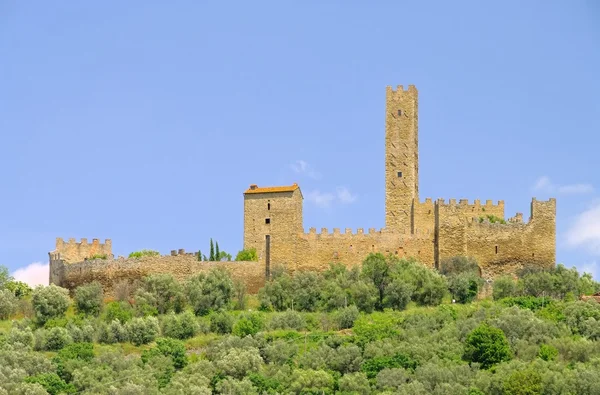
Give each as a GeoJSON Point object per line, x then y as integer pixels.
{"type": "Point", "coordinates": [302, 167]}
{"type": "Point", "coordinates": [326, 199]}
{"type": "Point", "coordinates": [544, 184]}
{"type": "Point", "coordinates": [320, 199]}
{"type": "Point", "coordinates": [345, 196]}
{"type": "Point", "coordinates": [585, 230]}
{"type": "Point", "coordinates": [34, 274]}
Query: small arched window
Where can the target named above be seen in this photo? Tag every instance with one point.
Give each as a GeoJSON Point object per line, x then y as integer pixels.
{"type": "Point", "coordinates": [268, 206]}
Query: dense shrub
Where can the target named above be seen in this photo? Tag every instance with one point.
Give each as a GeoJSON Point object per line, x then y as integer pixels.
{"type": "Point", "coordinates": [247, 255]}
{"type": "Point", "coordinates": [180, 326]}
{"type": "Point", "coordinates": [248, 324]}
{"type": "Point", "coordinates": [169, 348]}
{"type": "Point", "coordinates": [143, 253]}
{"type": "Point", "coordinates": [347, 316]}
{"type": "Point", "coordinates": [487, 346]}
{"type": "Point", "coordinates": [221, 322]}
{"type": "Point", "coordinates": [88, 298]}
{"type": "Point", "coordinates": [50, 302]}
{"type": "Point", "coordinates": [142, 330]}
{"type": "Point", "coordinates": [210, 291]}
{"type": "Point", "coordinates": [8, 304]}
{"type": "Point", "coordinates": [118, 311]}
{"type": "Point", "coordinates": [159, 294]}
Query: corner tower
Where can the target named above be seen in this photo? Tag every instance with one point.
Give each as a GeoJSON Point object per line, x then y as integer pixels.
{"type": "Point", "coordinates": [272, 220]}
{"type": "Point", "coordinates": [401, 156]}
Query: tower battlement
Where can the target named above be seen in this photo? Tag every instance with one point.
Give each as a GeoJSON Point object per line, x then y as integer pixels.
{"type": "Point", "coordinates": [73, 251]}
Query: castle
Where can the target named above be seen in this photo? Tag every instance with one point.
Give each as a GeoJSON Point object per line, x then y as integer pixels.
{"type": "Point", "coordinates": [429, 230]}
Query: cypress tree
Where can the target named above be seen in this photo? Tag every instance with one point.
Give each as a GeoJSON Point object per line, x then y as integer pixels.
{"type": "Point", "coordinates": [212, 251]}
{"type": "Point", "coordinates": [217, 253]}
{"type": "Point", "coordinates": [199, 255]}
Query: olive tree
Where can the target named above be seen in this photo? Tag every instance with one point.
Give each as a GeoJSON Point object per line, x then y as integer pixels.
{"type": "Point", "coordinates": [49, 302]}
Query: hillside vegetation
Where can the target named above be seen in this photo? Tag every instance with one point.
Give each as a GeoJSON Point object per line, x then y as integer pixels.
{"type": "Point", "coordinates": [390, 326]}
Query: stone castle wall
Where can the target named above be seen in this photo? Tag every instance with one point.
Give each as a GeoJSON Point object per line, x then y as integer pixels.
{"type": "Point", "coordinates": [181, 266]}
{"type": "Point", "coordinates": [499, 248]}
{"type": "Point", "coordinates": [73, 251]}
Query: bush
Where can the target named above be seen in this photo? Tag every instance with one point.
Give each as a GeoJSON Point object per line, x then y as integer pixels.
{"type": "Point", "coordinates": [169, 348]}
{"type": "Point", "coordinates": [180, 326]}
{"type": "Point", "coordinates": [504, 287]}
{"type": "Point", "coordinates": [52, 383]}
{"type": "Point", "coordinates": [210, 292]}
{"type": "Point", "coordinates": [143, 253]}
{"type": "Point", "coordinates": [347, 316]}
{"type": "Point", "coordinates": [248, 324]}
{"type": "Point", "coordinates": [221, 323]}
{"type": "Point", "coordinates": [49, 302]}
{"type": "Point", "coordinates": [248, 255]}
{"type": "Point", "coordinates": [548, 352]}
{"type": "Point", "coordinates": [88, 298]}
{"type": "Point", "coordinates": [8, 304]}
{"type": "Point", "coordinates": [142, 330]}
{"type": "Point", "coordinates": [288, 320]}
{"type": "Point", "coordinates": [487, 345]}
{"type": "Point", "coordinates": [18, 288]}
{"type": "Point", "coordinates": [159, 294]}
{"type": "Point", "coordinates": [118, 311]}
{"type": "Point", "coordinates": [464, 287]}
{"type": "Point", "coordinates": [57, 338]}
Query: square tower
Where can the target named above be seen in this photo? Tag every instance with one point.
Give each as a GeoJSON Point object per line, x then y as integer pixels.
{"type": "Point", "coordinates": [401, 157]}
{"type": "Point", "coordinates": [275, 212]}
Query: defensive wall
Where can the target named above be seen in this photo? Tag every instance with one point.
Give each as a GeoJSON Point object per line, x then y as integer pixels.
{"type": "Point", "coordinates": [442, 230]}
{"type": "Point", "coordinates": [429, 230]}
{"type": "Point", "coordinates": [180, 264]}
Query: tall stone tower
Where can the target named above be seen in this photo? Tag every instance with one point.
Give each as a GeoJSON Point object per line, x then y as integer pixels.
{"type": "Point", "coordinates": [401, 157]}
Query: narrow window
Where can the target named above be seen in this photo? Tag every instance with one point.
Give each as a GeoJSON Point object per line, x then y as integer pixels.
{"type": "Point", "coordinates": [268, 206]}
{"type": "Point", "coordinates": [496, 249]}
{"type": "Point", "coordinates": [399, 174]}
{"type": "Point", "coordinates": [533, 254]}
{"type": "Point", "coordinates": [267, 220]}
{"type": "Point", "coordinates": [399, 113]}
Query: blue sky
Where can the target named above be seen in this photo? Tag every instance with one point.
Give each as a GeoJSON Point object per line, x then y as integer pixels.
{"type": "Point", "coordinates": [144, 122]}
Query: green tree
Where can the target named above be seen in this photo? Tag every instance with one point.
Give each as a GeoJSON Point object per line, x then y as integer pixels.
{"type": "Point", "coordinates": [89, 298]}
{"type": "Point", "coordinates": [18, 288]}
{"type": "Point", "coordinates": [377, 270]}
{"type": "Point", "coordinates": [159, 293]}
{"type": "Point", "coordinates": [8, 304]}
{"type": "Point", "coordinates": [487, 345]}
{"type": "Point", "coordinates": [217, 253]}
{"type": "Point", "coordinates": [52, 383]}
{"type": "Point", "coordinates": [5, 277]}
{"type": "Point", "coordinates": [247, 255]}
{"type": "Point", "coordinates": [210, 291]}
{"type": "Point", "coordinates": [49, 302]}
{"type": "Point", "coordinates": [464, 286]}
{"type": "Point", "coordinates": [212, 251]}
{"type": "Point", "coordinates": [169, 348]}
{"type": "Point", "coordinates": [524, 382]}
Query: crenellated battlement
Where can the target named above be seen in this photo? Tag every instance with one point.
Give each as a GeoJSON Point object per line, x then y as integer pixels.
{"type": "Point", "coordinates": [465, 203]}
{"type": "Point", "coordinates": [337, 233]}
{"type": "Point", "coordinates": [74, 251]}
{"type": "Point", "coordinates": [412, 89]}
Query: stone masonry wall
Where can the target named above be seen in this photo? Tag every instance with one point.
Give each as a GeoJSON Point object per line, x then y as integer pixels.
{"type": "Point", "coordinates": [182, 267]}
{"type": "Point", "coordinates": [284, 211]}
{"type": "Point", "coordinates": [72, 251]}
